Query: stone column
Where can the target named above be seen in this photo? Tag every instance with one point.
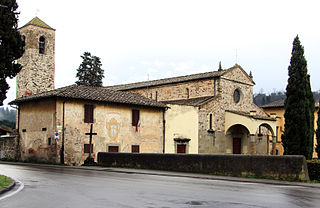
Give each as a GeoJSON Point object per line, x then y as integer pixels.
{"type": "Point", "coordinates": [274, 144]}
{"type": "Point", "coordinates": [252, 144]}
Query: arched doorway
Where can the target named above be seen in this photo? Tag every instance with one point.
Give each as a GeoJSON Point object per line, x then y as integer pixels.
{"type": "Point", "coordinates": [266, 140]}
{"type": "Point", "coordinates": [238, 138]}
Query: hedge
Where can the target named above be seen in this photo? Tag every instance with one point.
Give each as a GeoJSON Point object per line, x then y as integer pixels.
{"type": "Point", "coordinates": [314, 169]}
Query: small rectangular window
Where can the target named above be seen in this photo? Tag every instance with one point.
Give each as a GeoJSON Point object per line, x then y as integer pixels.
{"type": "Point", "coordinates": [44, 129]}
{"type": "Point", "coordinates": [49, 141]}
{"type": "Point", "coordinates": [24, 130]}
{"type": "Point", "coordinates": [87, 148]}
{"type": "Point", "coordinates": [113, 148]}
{"type": "Point", "coordinates": [181, 148]}
{"type": "Point", "coordinates": [135, 117]}
{"type": "Point", "coordinates": [135, 149]}
{"type": "Point", "coordinates": [88, 113]}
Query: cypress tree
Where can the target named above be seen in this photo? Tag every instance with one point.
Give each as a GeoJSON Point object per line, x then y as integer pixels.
{"type": "Point", "coordinates": [11, 45]}
{"type": "Point", "coordinates": [90, 72]}
{"type": "Point", "coordinates": [299, 106]}
{"type": "Point", "coordinates": [318, 134]}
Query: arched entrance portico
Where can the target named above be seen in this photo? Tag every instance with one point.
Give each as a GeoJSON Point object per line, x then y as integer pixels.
{"type": "Point", "coordinates": [266, 135]}
{"type": "Point", "coordinates": [253, 133]}
{"type": "Point", "coordinates": [237, 137]}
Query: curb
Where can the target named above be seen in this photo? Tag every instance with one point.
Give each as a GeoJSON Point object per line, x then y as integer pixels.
{"type": "Point", "coordinates": [8, 188]}
{"type": "Point", "coordinates": [171, 174]}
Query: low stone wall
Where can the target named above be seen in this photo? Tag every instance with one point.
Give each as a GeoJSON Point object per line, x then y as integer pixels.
{"type": "Point", "coordinates": [293, 168]}
{"type": "Point", "coordinates": [9, 147]}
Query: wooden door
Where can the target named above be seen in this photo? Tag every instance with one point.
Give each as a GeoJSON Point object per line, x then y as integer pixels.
{"type": "Point", "coordinates": [113, 149]}
{"type": "Point", "coordinates": [181, 148]}
{"type": "Point", "coordinates": [236, 145]}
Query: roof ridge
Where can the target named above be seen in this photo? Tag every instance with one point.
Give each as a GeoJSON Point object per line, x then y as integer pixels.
{"type": "Point", "coordinates": [98, 94]}
{"type": "Point", "coordinates": [163, 81]}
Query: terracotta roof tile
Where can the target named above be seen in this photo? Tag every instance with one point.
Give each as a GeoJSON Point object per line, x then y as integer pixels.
{"type": "Point", "coordinates": [191, 101]}
{"type": "Point", "coordinates": [275, 104]}
{"type": "Point", "coordinates": [99, 94]}
{"type": "Point", "coordinates": [280, 104]}
{"type": "Point", "coordinates": [166, 81]}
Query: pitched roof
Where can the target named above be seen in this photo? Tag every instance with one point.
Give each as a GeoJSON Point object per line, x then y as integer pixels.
{"type": "Point", "coordinates": [275, 104]}
{"type": "Point", "coordinates": [172, 80]}
{"type": "Point", "coordinates": [280, 104]}
{"type": "Point", "coordinates": [38, 22]}
{"type": "Point", "coordinates": [166, 81]}
{"type": "Point", "coordinates": [190, 101]}
{"type": "Point", "coordinates": [99, 94]}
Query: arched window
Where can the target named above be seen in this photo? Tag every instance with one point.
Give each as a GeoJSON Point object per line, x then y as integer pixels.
{"type": "Point", "coordinates": [42, 41]}
{"type": "Point", "coordinates": [210, 121]}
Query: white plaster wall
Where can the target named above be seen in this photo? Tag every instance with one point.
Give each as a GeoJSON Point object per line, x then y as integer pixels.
{"type": "Point", "coordinates": [250, 123]}
{"type": "Point", "coordinates": [181, 121]}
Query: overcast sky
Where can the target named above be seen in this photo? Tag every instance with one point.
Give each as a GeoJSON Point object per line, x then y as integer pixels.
{"type": "Point", "coordinates": [137, 38]}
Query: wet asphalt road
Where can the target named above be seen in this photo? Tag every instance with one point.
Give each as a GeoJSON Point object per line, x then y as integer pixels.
{"type": "Point", "coordinates": [66, 187]}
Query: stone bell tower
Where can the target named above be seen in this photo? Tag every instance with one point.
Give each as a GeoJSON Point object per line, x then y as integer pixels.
{"type": "Point", "coordinates": [38, 67]}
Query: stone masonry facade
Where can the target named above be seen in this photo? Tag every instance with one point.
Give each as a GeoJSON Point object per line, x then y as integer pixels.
{"type": "Point", "coordinates": [221, 88]}
{"type": "Point", "coordinates": [37, 74]}
{"type": "Point", "coordinates": [215, 142]}
{"type": "Point", "coordinates": [205, 87]}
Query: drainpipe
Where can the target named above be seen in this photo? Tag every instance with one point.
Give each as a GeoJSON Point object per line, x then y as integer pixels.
{"type": "Point", "coordinates": [164, 130]}
{"type": "Point", "coordinates": [18, 119]}
{"type": "Point", "coordinates": [18, 128]}
{"type": "Point", "coordinates": [62, 142]}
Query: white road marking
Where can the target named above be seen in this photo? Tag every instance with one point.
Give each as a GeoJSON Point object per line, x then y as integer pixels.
{"type": "Point", "coordinates": [21, 186]}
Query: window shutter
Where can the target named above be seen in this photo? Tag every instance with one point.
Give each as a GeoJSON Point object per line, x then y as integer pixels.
{"type": "Point", "coordinates": [135, 117]}
{"type": "Point", "coordinates": [88, 113]}
{"type": "Point", "coordinates": [135, 149]}
{"type": "Point", "coordinates": [87, 148]}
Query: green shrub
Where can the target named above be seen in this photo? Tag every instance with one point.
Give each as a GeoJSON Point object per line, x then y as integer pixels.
{"type": "Point", "coordinates": [314, 169]}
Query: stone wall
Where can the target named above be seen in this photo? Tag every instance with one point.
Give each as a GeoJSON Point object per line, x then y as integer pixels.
{"type": "Point", "coordinates": [293, 168]}
{"type": "Point", "coordinates": [216, 142]}
{"type": "Point", "coordinates": [37, 74]}
{"type": "Point", "coordinates": [113, 125]}
{"type": "Point", "coordinates": [178, 91]}
{"type": "Point", "coordinates": [9, 147]}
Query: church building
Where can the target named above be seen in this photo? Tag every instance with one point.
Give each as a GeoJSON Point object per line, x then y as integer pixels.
{"type": "Point", "coordinates": [210, 112]}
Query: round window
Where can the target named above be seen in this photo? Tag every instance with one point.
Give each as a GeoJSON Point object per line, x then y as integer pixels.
{"type": "Point", "coordinates": [237, 95]}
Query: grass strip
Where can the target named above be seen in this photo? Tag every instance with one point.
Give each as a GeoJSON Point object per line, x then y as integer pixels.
{"type": "Point", "coordinates": [4, 181]}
